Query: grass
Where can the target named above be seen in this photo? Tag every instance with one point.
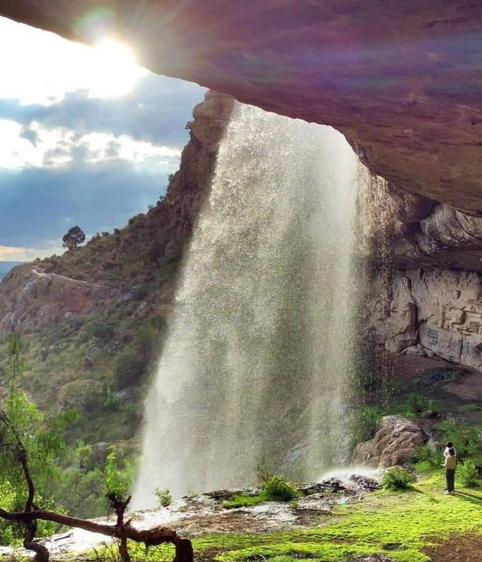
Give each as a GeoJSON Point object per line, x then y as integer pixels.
{"type": "Point", "coordinates": [396, 524]}
{"type": "Point", "coordinates": [242, 500]}
{"type": "Point", "coordinates": [399, 525]}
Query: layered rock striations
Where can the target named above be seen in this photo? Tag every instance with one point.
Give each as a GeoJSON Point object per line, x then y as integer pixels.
{"type": "Point", "coordinates": [433, 313]}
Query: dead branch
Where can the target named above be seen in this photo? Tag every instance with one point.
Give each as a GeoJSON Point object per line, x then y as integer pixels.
{"type": "Point", "coordinates": [149, 537]}
{"type": "Point", "coordinates": [121, 530]}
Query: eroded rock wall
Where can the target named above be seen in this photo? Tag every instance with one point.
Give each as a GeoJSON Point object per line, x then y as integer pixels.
{"type": "Point", "coordinates": [433, 313]}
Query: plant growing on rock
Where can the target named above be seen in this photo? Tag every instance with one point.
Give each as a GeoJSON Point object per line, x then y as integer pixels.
{"type": "Point", "coordinates": [277, 488]}
{"type": "Point", "coordinates": [164, 497]}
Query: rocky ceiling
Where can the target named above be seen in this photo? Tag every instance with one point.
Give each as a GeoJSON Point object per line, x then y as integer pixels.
{"type": "Point", "coordinates": [402, 79]}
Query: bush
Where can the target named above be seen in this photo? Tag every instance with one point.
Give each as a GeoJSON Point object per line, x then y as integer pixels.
{"type": "Point", "coordinates": [467, 440]}
{"type": "Point", "coordinates": [277, 488]}
{"type": "Point", "coordinates": [427, 456]}
{"type": "Point", "coordinates": [468, 474]}
{"type": "Point", "coordinates": [397, 479]}
{"type": "Point", "coordinates": [164, 498]}
{"type": "Point", "coordinates": [417, 403]}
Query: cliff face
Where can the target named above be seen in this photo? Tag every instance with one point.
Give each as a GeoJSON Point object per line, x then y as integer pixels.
{"type": "Point", "coordinates": [429, 313]}
{"type": "Point", "coordinates": [93, 320]}
{"type": "Point", "coordinates": [143, 255]}
{"type": "Point", "coordinates": [31, 299]}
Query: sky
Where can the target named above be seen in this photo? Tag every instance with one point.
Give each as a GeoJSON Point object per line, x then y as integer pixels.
{"type": "Point", "coordinates": [87, 138]}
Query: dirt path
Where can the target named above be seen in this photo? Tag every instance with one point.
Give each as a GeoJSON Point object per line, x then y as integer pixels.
{"type": "Point", "coordinates": [467, 548]}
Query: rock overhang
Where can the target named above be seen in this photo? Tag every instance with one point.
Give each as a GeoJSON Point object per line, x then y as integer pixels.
{"type": "Point", "coordinates": [401, 79]}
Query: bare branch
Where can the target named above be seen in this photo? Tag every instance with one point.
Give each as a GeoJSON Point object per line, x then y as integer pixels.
{"type": "Point", "coordinates": [150, 537]}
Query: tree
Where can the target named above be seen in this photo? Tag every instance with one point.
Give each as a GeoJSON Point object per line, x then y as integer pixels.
{"type": "Point", "coordinates": [28, 447]}
{"type": "Point", "coordinates": [74, 237]}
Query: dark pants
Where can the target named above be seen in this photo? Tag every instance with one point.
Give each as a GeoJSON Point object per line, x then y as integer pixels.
{"type": "Point", "coordinates": [450, 477]}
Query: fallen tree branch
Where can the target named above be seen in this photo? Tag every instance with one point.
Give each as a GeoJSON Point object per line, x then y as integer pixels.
{"type": "Point", "coordinates": [149, 537]}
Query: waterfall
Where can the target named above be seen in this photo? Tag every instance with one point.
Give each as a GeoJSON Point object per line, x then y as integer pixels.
{"type": "Point", "coordinates": [256, 368]}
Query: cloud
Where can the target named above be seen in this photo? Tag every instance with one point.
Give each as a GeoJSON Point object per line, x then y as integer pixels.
{"type": "Point", "coordinates": [37, 205]}
{"type": "Point", "coordinates": [155, 111]}
{"type": "Point", "coordinates": [69, 155]}
{"type": "Point", "coordinates": [12, 254]}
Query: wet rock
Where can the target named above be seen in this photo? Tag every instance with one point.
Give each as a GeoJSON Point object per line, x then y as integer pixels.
{"type": "Point", "coordinates": [392, 445]}
{"type": "Point", "coordinates": [365, 483]}
{"type": "Point", "coordinates": [372, 558]}
{"type": "Point", "coordinates": [224, 495]}
{"type": "Point", "coordinates": [332, 485]}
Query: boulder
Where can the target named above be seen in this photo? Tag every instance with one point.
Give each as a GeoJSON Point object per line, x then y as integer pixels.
{"type": "Point", "coordinates": [392, 445]}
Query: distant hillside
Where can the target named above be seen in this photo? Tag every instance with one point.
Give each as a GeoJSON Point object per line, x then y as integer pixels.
{"type": "Point", "coordinates": [6, 266]}
{"type": "Point", "coordinates": [83, 314]}
{"type": "Point", "coordinates": [93, 320]}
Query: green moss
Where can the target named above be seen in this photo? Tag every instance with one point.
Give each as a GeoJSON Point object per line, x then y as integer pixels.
{"type": "Point", "coordinates": [242, 500]}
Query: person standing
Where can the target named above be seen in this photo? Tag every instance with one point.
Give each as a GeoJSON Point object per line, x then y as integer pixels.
{"type": "Point", "coordinates": [449, 445]}
{"type": "Point", "coordinates": [450, 463]}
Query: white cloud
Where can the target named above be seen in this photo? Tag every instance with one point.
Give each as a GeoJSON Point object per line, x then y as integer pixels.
{"type": "Point", "coordinates": [41, 67]}
{"type": "Point", "coordinates": [11, 253]}
{"type": "Point", "coordinates": [39, 146]}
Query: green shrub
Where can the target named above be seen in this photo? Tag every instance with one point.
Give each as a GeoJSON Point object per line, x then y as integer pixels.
{"type": "Point", "coordinates": [423, 466]}
{"type": "Point", "coordinates": [467, 474]}
{"type": "Point", "coordinates": [418, 403]}
{"type": "Point", "coordinates": [164, 498]}
{"type": "Point", "coordinates": [466, 439]}
{"type": "Point", "coordinates": [397, 478]}
{"type": "Point", "coordinates": [413, 406]}
{"type": "Point", "coordinates": [427, 456]}
{"type": "Point", "coordinates": [277, 488]}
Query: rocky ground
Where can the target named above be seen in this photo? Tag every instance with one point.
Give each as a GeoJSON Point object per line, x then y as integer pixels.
{"type": "Point", "coordinates": [338, 520]}
{"type": "Point", "coordinates": [207, 514]}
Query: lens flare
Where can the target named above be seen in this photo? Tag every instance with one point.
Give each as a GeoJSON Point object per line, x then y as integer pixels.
{"type": "Point", "coordinates": [114, 69]}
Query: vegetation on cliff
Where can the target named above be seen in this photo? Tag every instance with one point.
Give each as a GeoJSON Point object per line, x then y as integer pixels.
{"type": "Point", "coordinates": [93, 319]}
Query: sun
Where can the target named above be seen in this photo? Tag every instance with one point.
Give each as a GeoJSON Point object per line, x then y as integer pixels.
{"type": "Point", "coordinates": [113, 69]}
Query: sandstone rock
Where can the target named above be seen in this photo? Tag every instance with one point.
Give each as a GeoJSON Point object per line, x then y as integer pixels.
{"type": "Point", "coordinates": [392, 445]}
{"type": "Point", "coordinates": [30, 299]}
{"type": "Point", "coordinates": [345, 64]}
{"type": "Point", "coordinates": [402, 316]}
{"type": "Point", "coordinates": [416, 350]}
{"type": "Point", "coordinates": [442, 310]}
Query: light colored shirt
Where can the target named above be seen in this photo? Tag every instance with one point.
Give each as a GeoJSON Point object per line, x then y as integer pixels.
{"type": "Point", "coordinates": [450, 462]}
{"type": "Point", "coordinates": [446, 452]}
